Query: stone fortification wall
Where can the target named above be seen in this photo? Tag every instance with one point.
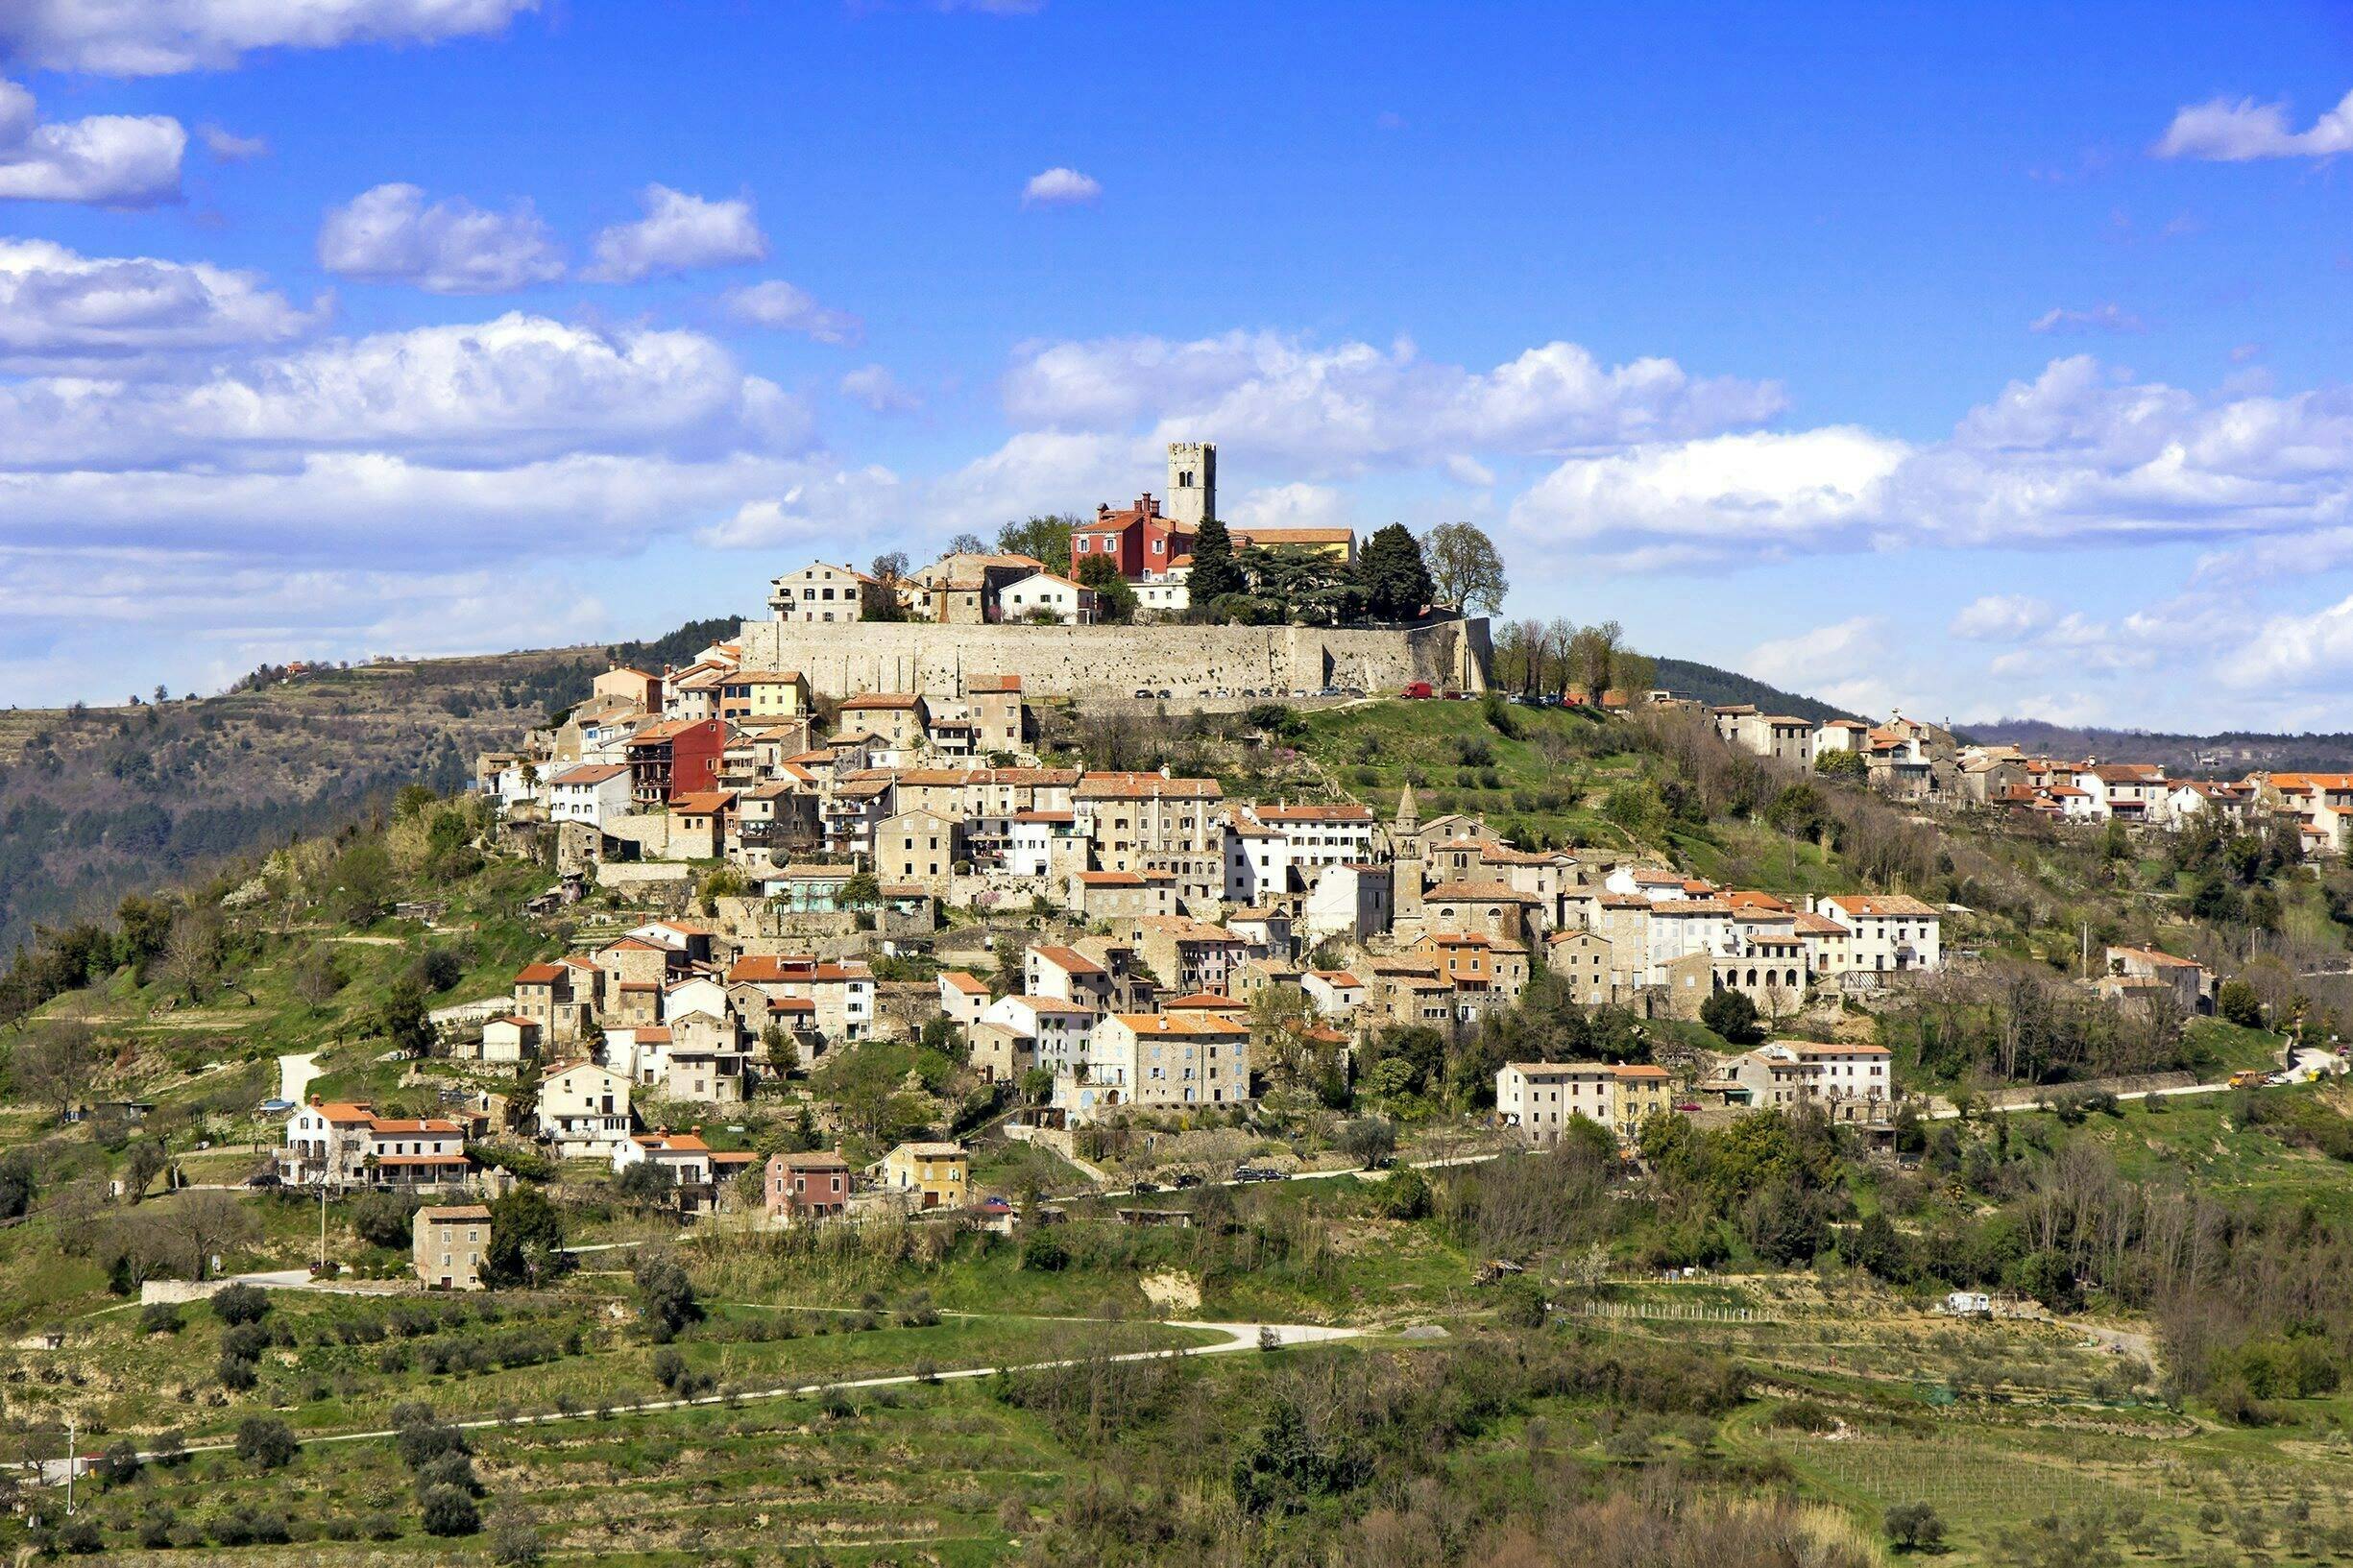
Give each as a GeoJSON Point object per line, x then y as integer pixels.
{"type": "Point", "coordinates": [1115, 662]}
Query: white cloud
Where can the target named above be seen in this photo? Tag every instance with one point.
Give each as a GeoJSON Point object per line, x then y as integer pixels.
{"type": "Point", "coordinates": [103, 161]}
{"type": "Point", "coordinates": [1059, 187]}
{"type": "Point", "coordinates": [1750, 497]}
{"type": "Point", "coordinates": [391, 234]}
{"type": "Point", "coordinates": [2108, 316]}
{"type": "Point", "coordinates": [2224, 132]}
{"type": "Point", "coordinates": [56, 305]}
{"type": "Point", "coordinates": [1288, 506]}
{"type": "Point", "coordinates": [228, 147]}
{"type": "Point", "coordinates": [163, 37]}
{"type": "Point", "coordinates": [500, 393]}
{"type": "Point", "coordinates": [783, 308]}
{"type": "Point", "coordinates": [1343, 409]}
{"type": "Point", "coordinates": [2296, 651]}
{"type": "Point", "coordinates": [2078, 456]}
{"type": "Point", "coordinates": [832, 508]}
{"type": "Point", "coordinates": [874, 386]}
{"type": "Point", "coordinates": [2002, 617]}
{"type": "Point", "coordinates": [678, 233]}
{"type": "Point", "coordinates": [1845, 663]}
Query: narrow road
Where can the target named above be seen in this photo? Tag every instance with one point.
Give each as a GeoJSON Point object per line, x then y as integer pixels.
{"type": "Point", "coordinates": [1238, 1337]}
{"type": "Point", "coordinates": [1439, 1164]}
{"type": "Point", "coordinates": [295, 1075]}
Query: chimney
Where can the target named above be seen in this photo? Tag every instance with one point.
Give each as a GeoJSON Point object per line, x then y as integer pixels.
{"type": "Point", "coordinates": [1145, 504]}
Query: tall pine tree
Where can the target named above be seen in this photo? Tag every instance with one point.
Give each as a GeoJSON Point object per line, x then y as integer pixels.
{"type": "Point", "coordinates": [1390, 570]}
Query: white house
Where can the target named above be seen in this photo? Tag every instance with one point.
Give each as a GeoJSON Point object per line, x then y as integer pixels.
{"type": "Point", "coordinates": [1336, 992]}
{"type": "Point", "coordinates": [962, 998]}
{"type": "Point", "coordinates": [595, 793]}
{"type": "Point", "coordinates": [1044, 592]}
{"type": "Point", "coordinates": [584, 1111]}
{"type": "Point", "coordinates": [509, 1038]}
{"type": "Point", "coordinates": [1059, 1030]}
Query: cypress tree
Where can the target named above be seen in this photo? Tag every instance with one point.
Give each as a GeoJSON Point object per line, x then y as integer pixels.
{"type": "Point", "coordinates": [1214, 571]}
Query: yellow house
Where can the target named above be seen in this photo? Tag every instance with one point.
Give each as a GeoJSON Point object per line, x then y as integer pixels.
{"type": "Point", "coordinates": [1334, 543]}
{"type": "Point", "coordinates": [939, 1174]}
{"type": "Point", "coordinates": [765, 693]}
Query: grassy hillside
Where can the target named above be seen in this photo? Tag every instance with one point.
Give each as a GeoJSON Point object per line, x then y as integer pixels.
{"type": "Point", "coordinates": [99, 801]}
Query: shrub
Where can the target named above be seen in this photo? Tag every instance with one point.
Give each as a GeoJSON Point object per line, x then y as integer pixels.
{"type": "Point", "coordinates": [449, 1512]}
{"type": "Point", "coordinates": [1522, 1304]}
{"type": "Point", "coordinates": [266, 1443]}
{"type": "Point", "coordinates": [1405, 1195]}
{"type": "Point", "coordinates": [515, 1543]}
{"type": "Point", "coordinates": [1045, 1252]}
{"type": "Point", "coordinates": [241, 1304]}
{"type": "Point", "coordinates": [81, 1536]}
{"type": "Point", "coordinates": [160, 1317]}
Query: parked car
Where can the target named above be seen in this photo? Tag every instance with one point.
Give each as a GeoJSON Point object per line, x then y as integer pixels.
{"type": "Point", "coordinates": [1257, 1172]}
{"type": "Point", "coordinates": [1188, 1179]}
{"type": "Point", "coordinates": [1143, 694]}
{"type": "Point", "coordinates": [1145, 1186]}
{"type": "Point", "coordinates": [1416, 691]}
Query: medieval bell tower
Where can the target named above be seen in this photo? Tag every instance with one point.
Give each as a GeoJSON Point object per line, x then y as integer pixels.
{"type": "Point", "coordinates": [1192, 483]}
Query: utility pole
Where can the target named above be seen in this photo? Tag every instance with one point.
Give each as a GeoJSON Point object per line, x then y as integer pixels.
{"type": "Point", "coordinates": [69, 1467]}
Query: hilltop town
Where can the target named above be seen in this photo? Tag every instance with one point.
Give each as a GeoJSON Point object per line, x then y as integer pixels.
{"type": "Point", "coordinates": [1134, 939]}
{"type": "Point", "coordinates": [1169, 939]}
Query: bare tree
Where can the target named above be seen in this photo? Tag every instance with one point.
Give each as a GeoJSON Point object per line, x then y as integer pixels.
{"type": "Point", "coordinates": [206, 1225]}
{"type": "Point", "coordinates": [55, 1066]}
{"type": "Point", "coordinates": [192, 954]}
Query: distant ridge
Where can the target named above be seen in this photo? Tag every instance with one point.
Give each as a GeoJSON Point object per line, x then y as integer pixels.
{"type": "Point", "coordinates": [2227, 755]}
{"type": "Point", "coordinates": [1716, 686]}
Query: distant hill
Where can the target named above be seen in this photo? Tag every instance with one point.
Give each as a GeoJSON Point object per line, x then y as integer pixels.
{"type": "Point", "coordinates": [1715, 687]}
{"type": "Point", "coordinates": [99, 801]}
{"type": "Point", "coordinates": [2226, 754]}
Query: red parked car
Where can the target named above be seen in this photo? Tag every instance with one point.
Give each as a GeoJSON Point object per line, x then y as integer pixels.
{"type": "Point", "coordinates": [1415, 689]}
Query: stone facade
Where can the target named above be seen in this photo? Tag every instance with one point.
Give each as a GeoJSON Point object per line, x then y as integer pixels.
{"type": "Point", "coordinates": [1112, 663]}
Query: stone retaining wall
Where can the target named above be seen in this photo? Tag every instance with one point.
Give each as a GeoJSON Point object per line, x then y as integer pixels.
{"type": "Point", "coordinates": [1190, 663]}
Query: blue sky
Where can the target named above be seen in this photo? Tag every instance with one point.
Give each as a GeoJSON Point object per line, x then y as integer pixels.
{"type": "Point", "coordinates": [1976, 362]}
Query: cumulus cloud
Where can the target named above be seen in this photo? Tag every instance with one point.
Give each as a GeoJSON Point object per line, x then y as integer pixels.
{"type": "Point", "coordinates": [391, 234]}
{"type": "Point", "coordinates": [874, 386]}
{"type": "Point", "coordinates": [439, 449]}
{"type": "Point", "coordinates": [59, 306]}
{"type": "Point", "coordinates": [1758, 494]}
{"type": "Point", "coordinates": [678, 233]}
{"type": "Point", "coordinates": [2002, 617]}
{"type": "Point", "coordinates": [1059, 187]}
{"type": "Point", "coordinates": [1352, 406]}
{"type": "Point", "coordinates": [2100, 318]}
{"type": "Point", "coordinates": [2080, 455]}
{"type": "Point", "coordinates": [834, 508]}
{"type": "Point", "coordinates": [2221, 130]}
{"type": "Point", "coordinates": [784, 307]}
{"type": "Point", "coordinates": [2300, 651]}
{"type": "Point", "coordinates": [1293, 505]}
{"type": "Point", "coordinates": [103, 161]}
{"type": "Point", "coordinates": [503, 392]}
{"type": "Point", "coordinates": [1846, 664]}
{"type": "Point", "coordinates": [163, 37]}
